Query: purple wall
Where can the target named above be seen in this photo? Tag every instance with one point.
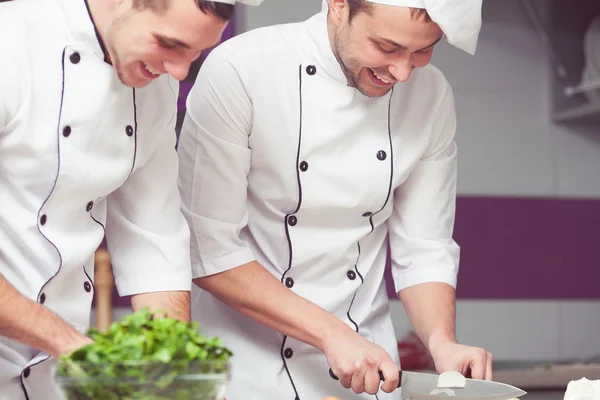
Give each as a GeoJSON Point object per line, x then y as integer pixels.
{"type": "Point", "coordinates": [527, 248]}
{"type": "Point", "coordinates": [524, 248]}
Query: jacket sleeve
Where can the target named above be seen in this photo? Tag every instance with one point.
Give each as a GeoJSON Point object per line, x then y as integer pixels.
{"type": "Point", "coordinates": [214, 165]}
{"type": "Point", "coordinates": [146, 234]}
{"type": "Point", "coordinates": [422, 222]}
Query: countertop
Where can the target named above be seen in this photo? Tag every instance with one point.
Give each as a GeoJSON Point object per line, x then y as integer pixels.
{"type": "Point", "coordinates": [544, 395]}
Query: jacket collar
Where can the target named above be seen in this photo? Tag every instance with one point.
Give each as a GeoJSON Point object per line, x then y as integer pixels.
{"type": "Point", "coordinates": [78, 22]}
{"type": "Point", "coordinates": [321, 47]}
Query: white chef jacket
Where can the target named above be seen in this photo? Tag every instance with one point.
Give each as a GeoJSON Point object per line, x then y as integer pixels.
{"type": "Point", "coordinates": [81, 155]}
{"type": "Point", "coordinates": [282, 162]}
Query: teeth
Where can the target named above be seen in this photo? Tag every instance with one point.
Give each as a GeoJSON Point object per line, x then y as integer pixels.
{"type": "Point", "coordinates": [149, 69]}
{"type": "Point", "coordinates": [381, 79]}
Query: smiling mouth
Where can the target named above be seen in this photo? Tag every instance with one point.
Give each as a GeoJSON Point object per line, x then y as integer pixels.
{"type": "Point", "coordinates": [150, 71]}
{"type": "Point", "coordinates": [383, 81]}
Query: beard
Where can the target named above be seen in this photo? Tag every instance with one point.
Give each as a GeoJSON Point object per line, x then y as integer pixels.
{"type": "Point", "coordinates": [351, 77]}
{"type": "Point", "coordinates": [118, 66]}
{"type": "Point", "coordinates": [114, 55]}
{"type": "Point", "coordinates": [351, 68]}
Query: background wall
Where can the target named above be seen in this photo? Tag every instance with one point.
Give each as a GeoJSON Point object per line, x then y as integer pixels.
{"type": "Point", "coordinates": [528, 212]}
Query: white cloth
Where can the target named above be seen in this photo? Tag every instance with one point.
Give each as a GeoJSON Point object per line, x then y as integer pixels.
{"type": "Point", "coordinates": [274, 132]}
{"type": "Point", "coordinates": [460, 20]}
{"type": "Point", "coordinates": [115, 168]}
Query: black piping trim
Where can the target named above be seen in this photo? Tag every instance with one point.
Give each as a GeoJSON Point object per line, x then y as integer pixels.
{"type": "Point", "coordinates": [354, 296]}
{"type": "Point", "coordinates": [98, 222]}
{"type": "Point", "coordinates": [98, 37]}
{"type": "Point", "coordinates": [391, 162]}
{"type": "Point", "coordinates": [23, 387]}
{"type": "Point", "coordinates": [135, 129]}
{"type": "Point", "coordinates": [62, 97]}
{"type": "Point", "coordinates": [286, 368]}
{"type": "Point", "coordinates": [30, 366]}
{"type": "Point", "coordinates": [94, 218]}
{"type": "Point", "coordinates": [90, 279]}
{"type": "Point", "coordinates": [287, 232]}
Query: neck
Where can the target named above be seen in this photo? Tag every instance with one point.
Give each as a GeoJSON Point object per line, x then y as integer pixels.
{"type": "Point", "coordinates": [331, 32]}
{"type": "Point", "coordinates": [99, 15]}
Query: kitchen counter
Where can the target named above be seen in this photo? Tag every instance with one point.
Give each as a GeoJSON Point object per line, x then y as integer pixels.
{"type": "Point", "coordinates": [544, 395]}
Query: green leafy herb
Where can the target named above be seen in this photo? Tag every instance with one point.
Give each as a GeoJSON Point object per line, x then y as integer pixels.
{"type": "Point", "coordinates": [146, 357]}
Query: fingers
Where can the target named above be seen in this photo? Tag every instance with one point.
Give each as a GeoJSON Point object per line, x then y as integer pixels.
{"type": "Point", "coordinates": [372, 380]}
{"type": "Point", "coordinates": [358, 380]}
{"type": "Point", "coordinates": [479, 364]}
{"type": "Point", "coordinates": [345, 378]}
{"type": "Point", "coordinates": [488, 368]}
{"type": "Point", "coordinates": [390, 376]}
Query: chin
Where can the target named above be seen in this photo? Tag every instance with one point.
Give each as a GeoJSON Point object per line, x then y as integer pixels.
{"type": "Point", "coordinates": [131, 79]}
{"type": "Point", "coordinates": [373, 92]}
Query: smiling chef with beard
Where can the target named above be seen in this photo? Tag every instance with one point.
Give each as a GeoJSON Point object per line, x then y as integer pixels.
{"type": "Point", "coordinates": [306, 148]}
{"type": "Point", "coordinates": [88, 104]}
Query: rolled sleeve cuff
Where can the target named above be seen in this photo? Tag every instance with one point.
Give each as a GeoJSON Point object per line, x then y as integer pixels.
{"type": "Point", "coordinates": [179, 280]}
{"type": "Point", "coordinates": [416, 275]}
{"type": "Point", "coordinates": [231, 260]}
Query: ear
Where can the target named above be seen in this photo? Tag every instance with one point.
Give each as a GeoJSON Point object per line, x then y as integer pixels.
{"type": "Point", "coordinates": [338, 11]}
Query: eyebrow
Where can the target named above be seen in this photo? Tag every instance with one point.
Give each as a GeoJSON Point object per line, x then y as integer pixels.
{"type": "Point", "coordinates": [174, 41]}
{"type": "Point", "coordinates": [404, 48]}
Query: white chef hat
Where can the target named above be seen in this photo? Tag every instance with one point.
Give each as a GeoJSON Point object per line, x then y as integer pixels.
{"type": "Point", "coordinates": [247, 2]}
{"type": "Point", "coordinates": [460, 20]}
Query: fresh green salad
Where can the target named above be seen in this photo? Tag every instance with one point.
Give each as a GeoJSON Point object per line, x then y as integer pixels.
{"type": "Point", "coordinates": [146, 357]}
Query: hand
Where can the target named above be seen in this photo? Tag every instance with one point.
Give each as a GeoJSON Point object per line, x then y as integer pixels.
{"type": "Point", "coordinates": [452, 356]}
{"type": "Point", "coordinates": [74, 344]}
{"type": "Point", "coordinates": [357, 361]}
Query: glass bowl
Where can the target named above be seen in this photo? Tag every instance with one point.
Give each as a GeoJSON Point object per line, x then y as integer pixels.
{"type": "Point", "coordinates": [148, 380]}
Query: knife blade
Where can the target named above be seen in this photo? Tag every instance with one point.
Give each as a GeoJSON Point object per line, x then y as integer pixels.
{"type": "Point", "coordinates": [423, 386]}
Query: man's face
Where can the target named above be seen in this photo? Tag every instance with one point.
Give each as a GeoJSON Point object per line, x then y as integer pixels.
{"type": "Point", "coordinates": [142, 44]}
{"type": "Point", "coordinates": [379, 48]}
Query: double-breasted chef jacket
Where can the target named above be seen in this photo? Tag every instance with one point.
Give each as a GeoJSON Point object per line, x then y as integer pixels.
{"type": "Point", "coordinates": [81, 156]}
{"type": "Point", "coordinates": [282, 162]}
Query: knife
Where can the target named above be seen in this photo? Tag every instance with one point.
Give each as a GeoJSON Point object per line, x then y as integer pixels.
{"type": "Point", "coordinates": [423, 386]}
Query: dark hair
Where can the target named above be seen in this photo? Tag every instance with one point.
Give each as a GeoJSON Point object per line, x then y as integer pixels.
{"type": "Point", "coordinates": [356, 6]}
{"type": "Point", "coordinates": [221, 10]}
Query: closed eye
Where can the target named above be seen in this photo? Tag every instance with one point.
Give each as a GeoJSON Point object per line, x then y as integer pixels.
{"type": "Point", "coordinates": [165, 44]}
{"type": "Point", "coordinates": [424, 51]}
{"type": "Point", "coordinates": [384, 50]}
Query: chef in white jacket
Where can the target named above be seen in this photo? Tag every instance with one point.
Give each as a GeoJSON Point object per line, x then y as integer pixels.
{"type": "Point", "coordinates": [87, 148]}
{"type": "Point", "coordinates": [305, 149]}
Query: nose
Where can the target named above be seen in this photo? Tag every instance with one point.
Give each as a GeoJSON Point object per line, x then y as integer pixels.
{"type": "Point", "coordinates": [401, 70]}
{"type": "Point", "coordinates": [177, 69]}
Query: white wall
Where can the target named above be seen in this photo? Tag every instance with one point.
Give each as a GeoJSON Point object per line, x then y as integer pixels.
{"type": "Point", "coordinates": [508, 144]}
{"type": "Point", "coordinates": [515, 331]}
{"type": "Point", "coordinates": [272, 12]}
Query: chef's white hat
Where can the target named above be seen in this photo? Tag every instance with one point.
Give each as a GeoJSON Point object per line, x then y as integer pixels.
{"type": "Point", "coordinates": [247, 2]}
{"type": "Point", "coordinates": [460, 20]}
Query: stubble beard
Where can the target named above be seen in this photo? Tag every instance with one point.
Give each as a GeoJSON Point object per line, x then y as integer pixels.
{"type": "Point", "coordinates": [115, 57]}
{"type": "Point", "coordinates": [351, 77]}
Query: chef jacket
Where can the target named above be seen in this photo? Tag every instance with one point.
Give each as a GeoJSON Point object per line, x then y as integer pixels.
{"type": "Point", "coordinates": [81, 156]}
{"type": "Point", "coordinates": [282, 162]}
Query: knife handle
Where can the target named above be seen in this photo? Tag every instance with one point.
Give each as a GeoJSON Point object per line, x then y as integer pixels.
{"type": "Point", "coordinates": [380, 376]}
